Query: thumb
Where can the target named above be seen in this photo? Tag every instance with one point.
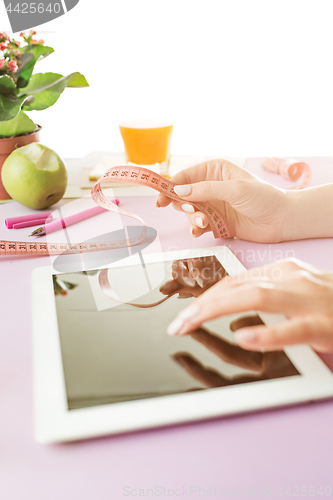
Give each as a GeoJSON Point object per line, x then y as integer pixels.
{"type": "Point", "coordinates": [228, 191]}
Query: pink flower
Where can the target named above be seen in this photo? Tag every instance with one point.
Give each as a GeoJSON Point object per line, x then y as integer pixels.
{"type": "Point", "coordinates": [2, 63]}
{"type": "Point", "coordinates": [18, 53]}
{"type": "Point", "coordinates": [33, 41]}
{"type": "Point", "coordinates": [12, 66]}
{"type": "Point", "coordinates": [17, 43]}
{"type": "Point", "coordinates": [3, 46]}
{"type": "Point", "coordinates": [4, 36]}
{"type": "Point", "coordinates": [32, 32]}
{"type": "Point", "coordinates": [22, 33]}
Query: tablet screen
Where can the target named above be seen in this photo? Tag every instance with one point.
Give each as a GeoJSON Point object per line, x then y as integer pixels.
{"type": "Point", "coordinates": [112, 327]}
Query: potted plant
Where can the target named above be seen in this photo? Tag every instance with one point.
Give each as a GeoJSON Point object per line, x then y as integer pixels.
{"type": "Point", "coordinates": [21, 91]}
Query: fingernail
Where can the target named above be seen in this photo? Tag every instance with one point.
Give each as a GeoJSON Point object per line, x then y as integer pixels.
{"type": "Point", "coordinates": [245, 336]}
{"type": "Point", "coordinates": [178, 322]}
{"type": "Point", "coordinates": [157, 204]}
{"type": "Point", "coordinates": [184, 190]}
{"type": "Point", "coordinates": [189, 312]}
{"type": "Point", "coordinates": [189, 281]}
{"type": "Point", "coordinates": [175, 326]}
{"type": "Point", "coordinates": [184, 295]}
{"type": "Point", "coordinates": [192, 231]}
{"type": "Point", "coordinates": [188, 208]}
{"type": "Point", "coordinates": [200, 281]}
{"type": "Point", "coordinates": [199, 222]}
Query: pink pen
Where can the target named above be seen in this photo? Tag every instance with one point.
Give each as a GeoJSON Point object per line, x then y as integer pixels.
{"type": "Point", "coordinates": [68, 221]}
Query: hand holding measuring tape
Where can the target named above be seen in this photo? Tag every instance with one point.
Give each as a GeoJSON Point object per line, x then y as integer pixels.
{"type": "Point", "coordinates": [255, 210]}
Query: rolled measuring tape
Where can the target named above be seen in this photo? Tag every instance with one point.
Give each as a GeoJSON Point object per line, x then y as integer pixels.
{"type": "Point", "coordinates": [133, 175]}
{"type": "Point", "coordinates": [289, 169]}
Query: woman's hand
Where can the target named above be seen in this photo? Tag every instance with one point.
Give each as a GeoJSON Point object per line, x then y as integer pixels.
{"type": "Point", "coordinates": [263, 366]}
{"type": "Point", "coordinates": [192, 277]}
{"type": "Point", "coordinates": [253, 209]}
{"type": "Point", "coordinates": [302, 292]}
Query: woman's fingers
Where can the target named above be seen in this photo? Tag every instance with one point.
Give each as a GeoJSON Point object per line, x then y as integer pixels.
{"type": "Point", "coordinates": [206, 270]}
{"type": "Point", "coordinates": [313, 330]}
{"type": "Point", "coordinates": [199, 222]}
{"type": "Point", "coordinates": [229, 353]}
{"type": "Point", "coordinates": [198, 219]}
{"type": "Point", "coordinates": [261, 296]}
{"type": "Point", "coordinates": [183, 178]}
{"type": "Point", "coordinates": [181, 273]}
{"type": "Point", "coordinates": [207, 377]}
{"type": "Point", "coordinates": [304, 294]}
{"type": "Point", "coordinates": [245, 321]}
{"type": "Point", "coordinates": [217, 169]}
{"type": "Point", "coordinates": [196, 231]}
{"type": "Point", "coordinates": [277, 287]}
{"type": "Point", "coordinates": [279, 271]}
{"type": "Point", "coordinates": [228, 191]}
{"type": "Point", "coordinates": [196, 173]}
{"type": "Point", "coordinates": [170, 286]}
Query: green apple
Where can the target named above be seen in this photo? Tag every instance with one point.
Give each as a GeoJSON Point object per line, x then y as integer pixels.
{"type": "Point", "coordinates": [35, 176]}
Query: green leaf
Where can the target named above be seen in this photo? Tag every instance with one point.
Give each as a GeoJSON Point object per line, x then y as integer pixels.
{"type": "Point", "coordinates": [77, 80]}
{"type": "Point", "coordinates": [18, 126]}
{"type": "Point", "coordinates": [43, 81]}
{"type": "Point", "coordinates": [10, 106]}
{"type": "Point", "coordinates": [38, 53]}
{"type": "Point", "coordinates": [7, 84]}
{"type": "Point", "coordinates": [25, 59]}
{"type": "Point", "coordinates": [46, 89]}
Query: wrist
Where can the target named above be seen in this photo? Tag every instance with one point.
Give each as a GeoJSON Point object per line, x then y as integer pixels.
{"type": "Point", "coordinates": [291, 229]}
{"type": "Point", "coordinates": [309, 213]}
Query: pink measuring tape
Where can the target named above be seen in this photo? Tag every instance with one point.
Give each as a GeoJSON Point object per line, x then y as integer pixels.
{"type": "Point", "coordinates": [135, 175]}
{"type": "Point", "coordinates": [288, 168]}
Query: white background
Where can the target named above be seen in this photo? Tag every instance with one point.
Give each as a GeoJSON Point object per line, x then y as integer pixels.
{"type": "Point", "coordinates": [239, 77]}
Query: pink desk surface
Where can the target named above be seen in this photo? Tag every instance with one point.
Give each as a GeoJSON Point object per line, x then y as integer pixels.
{"type": "Point", "coordinates": [271, 449]}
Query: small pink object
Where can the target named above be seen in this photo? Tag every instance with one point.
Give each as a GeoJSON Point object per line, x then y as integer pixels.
{"type": "Point", "coordinates": [30, 223]}
{"type": "Point", "coordinates": [290, 169]}
{"type": "Point", "coordinates": [71, 219]}
{"type": "Point", "coordinates": [26, 218]}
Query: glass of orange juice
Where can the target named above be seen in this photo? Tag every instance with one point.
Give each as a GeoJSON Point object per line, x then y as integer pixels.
{"type": "Point", "coordinates": [147, 143]}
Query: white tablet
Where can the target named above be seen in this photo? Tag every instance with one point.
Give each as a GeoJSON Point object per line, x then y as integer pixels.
{"type": "Point", "coordinates": [103, 362]}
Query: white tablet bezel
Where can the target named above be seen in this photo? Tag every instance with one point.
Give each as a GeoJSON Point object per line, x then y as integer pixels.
{"type": "Point", "coordinates": [53, 422]}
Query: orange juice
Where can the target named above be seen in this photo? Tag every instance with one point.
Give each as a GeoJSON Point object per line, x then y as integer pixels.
{"type": "Point", "coordinates": [146, 142]}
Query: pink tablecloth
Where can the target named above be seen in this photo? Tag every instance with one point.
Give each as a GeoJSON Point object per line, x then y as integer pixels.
{"type": "Point", "coordinates": [267, 450]}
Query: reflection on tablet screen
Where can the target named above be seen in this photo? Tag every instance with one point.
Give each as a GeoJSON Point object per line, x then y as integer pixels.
{"type": "Point", "coordinates": [122, 352]}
